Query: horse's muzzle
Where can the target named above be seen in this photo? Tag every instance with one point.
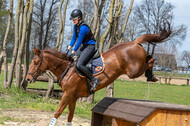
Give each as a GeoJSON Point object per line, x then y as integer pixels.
{"type": "Point", "coordinates": [29, 79]}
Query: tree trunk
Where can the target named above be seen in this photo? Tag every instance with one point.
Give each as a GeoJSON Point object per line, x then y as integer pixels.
{"type": "Point", "coordinates": [97, 32]}
{"type": "Point", "coordinates": [24, 83]}
{"type": "Point", "coordinates": [21, 47]}
{"type": "Point", "coordinates": [126, 20]}
{"type": "Point", "coordinates": [95, 17]}
{"type": "Point", "coordinates": [1, 61]}
{"type": "Point", "coordinates": [15, 51]}
{"type": "Point", "coordinates": [63, 27]}
{"type": "Point", "coordinates": [50, 85]}
{"type": "Point", "coordinates": [104, 36]}
{"type": "Point", "coordinates": [60, 24]}
{"type": "Point", "coordinates": [5, 68]}
{"type": "Point", "coordinates": [110, 90]}
{"type": "Point", "coordinates": [21, 11]}
{"type": "Point", "coordinates": [5, 43]}
{"type": "Point", "coordinates": [48, 24]}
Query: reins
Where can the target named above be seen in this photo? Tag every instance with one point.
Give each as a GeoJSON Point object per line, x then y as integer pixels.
{"type": "Point", "coordinates": [54, 67]}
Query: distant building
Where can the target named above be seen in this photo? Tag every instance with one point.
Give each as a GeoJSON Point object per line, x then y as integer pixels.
{"type": "Point", "coordinates": [165, 60]}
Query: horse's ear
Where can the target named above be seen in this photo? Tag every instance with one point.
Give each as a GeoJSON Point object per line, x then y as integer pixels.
{"type": "Point", "coordinates": [36, 51]}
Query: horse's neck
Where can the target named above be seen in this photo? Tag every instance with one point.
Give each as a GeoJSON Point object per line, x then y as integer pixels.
{"type": "Point", "coordinates": [56, 66]}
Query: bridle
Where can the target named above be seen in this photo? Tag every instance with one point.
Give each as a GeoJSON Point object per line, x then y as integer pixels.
{"type": "Point", "coordinates": [38, 68]}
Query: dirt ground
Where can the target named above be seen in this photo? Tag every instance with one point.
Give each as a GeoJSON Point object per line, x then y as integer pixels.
{"type": "Point", "coordinates": [36, 118]}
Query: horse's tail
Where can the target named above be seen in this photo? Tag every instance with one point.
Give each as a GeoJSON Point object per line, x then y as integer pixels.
{"type": "Point", "coordinates": [156, 38]}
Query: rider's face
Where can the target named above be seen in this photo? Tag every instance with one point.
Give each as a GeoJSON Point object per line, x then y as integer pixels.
{"type": "Point", "coordinates": [75, 21]}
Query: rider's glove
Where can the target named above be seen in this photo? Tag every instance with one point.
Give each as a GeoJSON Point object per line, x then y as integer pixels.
{"type": "Point", "coordinates": [70, 54]}
{"type": "Point", "coordinates": [67, 51]}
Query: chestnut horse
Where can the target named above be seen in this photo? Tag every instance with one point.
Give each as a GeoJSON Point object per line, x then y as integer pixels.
{"type": "Point", "coordinates": [124, 58]}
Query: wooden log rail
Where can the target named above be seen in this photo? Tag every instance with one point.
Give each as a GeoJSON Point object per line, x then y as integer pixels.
{"type": "Point", "coordinates": [173, 78]}
{"type": "Point", "coordinates": [45, 79]}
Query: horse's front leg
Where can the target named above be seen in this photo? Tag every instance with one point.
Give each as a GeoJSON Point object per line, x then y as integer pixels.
{"type": "Point", "coordinates": [66, 98]}
{"type": "Point", "coordinates": [71, 109]}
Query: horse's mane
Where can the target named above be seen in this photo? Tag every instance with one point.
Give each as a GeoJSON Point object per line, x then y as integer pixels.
{"type": "Point", "coordinates": [55, 53]}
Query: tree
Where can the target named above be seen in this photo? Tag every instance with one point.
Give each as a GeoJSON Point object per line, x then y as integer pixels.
{"type": "Point", "coordinates": [104, 36]}
{"type": "Point", "coordinates": [44, 23]}
{"type": "Point", "coordinates": [24, 83]}
{"type": "Point", "coordinates": [4, 17]}
{"type": "Point", "coordinates": [5, 43]}
{"type": "Point", "coordinates": [61, 25]}
{"type": "Point", "coordinates": [21, 46]}
{"type": "Point", "coordinates": [15, 51]}
{"type": "Point", "coordinates": [126, 20]}
{"type": "Point", "coordinates": [150, 15]}
{"type": "Point", "coordinates": [186, 57]}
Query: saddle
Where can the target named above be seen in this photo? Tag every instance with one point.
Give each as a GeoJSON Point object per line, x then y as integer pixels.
{"type": "Point", "coordinates": [95, 65]}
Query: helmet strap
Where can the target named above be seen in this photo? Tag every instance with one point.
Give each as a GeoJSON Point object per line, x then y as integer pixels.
{"type": "Point", "coordinates": [79, 21]}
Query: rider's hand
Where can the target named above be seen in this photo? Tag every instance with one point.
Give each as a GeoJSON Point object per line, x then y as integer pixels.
{"type": "Point", "coordinates": [71, 54]}
{"type": "Point", "coordinates": [68, 49]}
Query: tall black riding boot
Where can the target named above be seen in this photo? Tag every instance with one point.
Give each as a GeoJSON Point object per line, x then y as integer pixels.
{"type": "Point", "coordinates": [94, 81]}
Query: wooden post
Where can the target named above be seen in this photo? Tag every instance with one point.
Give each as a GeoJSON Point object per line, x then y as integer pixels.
{"type": "Point", "coordinates": [165, 80]}
{"type": "Point", "coordinates": [160, 79]}
{"type": "Point", "coordinates": [96, 119]}
{"type": "Point", "coordinates": [187, 81]}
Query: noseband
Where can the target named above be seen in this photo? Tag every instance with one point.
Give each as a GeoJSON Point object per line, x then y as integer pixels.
{"type": "Point", "coordinates": [38, 69]}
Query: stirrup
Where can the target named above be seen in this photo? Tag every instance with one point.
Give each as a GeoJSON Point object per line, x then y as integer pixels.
{"type": "Point", "coordinates": [94, 85]}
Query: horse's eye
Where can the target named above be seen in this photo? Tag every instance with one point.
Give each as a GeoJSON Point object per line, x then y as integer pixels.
{"type": "Point", "coordinates": [35, 63]}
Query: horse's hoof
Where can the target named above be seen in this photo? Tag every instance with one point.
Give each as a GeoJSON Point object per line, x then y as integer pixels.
{"type": "Point", "coordinates": [154, 79]}
{"type": "Point", "coordinates": [68, 124]}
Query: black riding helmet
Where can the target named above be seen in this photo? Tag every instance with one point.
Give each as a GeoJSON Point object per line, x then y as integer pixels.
{"type": "Point", "coordinates": [76, 14]}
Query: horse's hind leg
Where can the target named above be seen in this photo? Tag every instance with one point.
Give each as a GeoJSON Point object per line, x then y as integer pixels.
{"type": "Point", "coordinates": [148, 73]}
{"type": "Point", "coordinates": [71, 109]}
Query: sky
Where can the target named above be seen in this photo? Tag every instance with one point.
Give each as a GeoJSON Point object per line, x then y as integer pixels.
{"type": "Point", "coordinates": [181, 16]}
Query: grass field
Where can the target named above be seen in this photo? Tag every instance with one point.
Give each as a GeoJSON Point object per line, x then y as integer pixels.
{"type": "Point", "coordinates": [14, 98]}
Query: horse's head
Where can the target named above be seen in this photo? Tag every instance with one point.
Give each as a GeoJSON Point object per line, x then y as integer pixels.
{"type": "Point", "coordinates": [37, 66]}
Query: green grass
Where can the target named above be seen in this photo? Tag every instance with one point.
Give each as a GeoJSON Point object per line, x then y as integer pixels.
{"type": "Point", "coordinates": [14, 98]}
{"type": "Point", "coordinates": [7, 118]}
{"type": "Point", "coordinates": [42, 85]}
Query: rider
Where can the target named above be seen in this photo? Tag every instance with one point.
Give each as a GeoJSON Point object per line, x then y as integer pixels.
{"type": "Point", "coordinates": [85, 37]}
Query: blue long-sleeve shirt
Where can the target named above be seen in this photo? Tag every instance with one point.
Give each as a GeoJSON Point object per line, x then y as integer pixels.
{"type": "Point", "coordinates": [82, 32]}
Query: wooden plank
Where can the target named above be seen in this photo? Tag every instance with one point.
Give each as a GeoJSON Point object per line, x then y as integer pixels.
{"type": "Point", "coordinates": [96, 119]}
{"type": "Point", "coordinates": [106, 121]}
{"type": "Point", "coordinates": [167, 118]}
{"type": "Point", "coordinates": [119, 122]}
{"type": "Point", "coordinates": [124, 116]}
{"type": "Point", "coordinates": [157, 118]}
{"type": "Point", "coordinates": [131, 108]}
{"type": "Point", "coordinates": [178, 118]}
{"type": "Point", "coordinates": [185, 119]}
